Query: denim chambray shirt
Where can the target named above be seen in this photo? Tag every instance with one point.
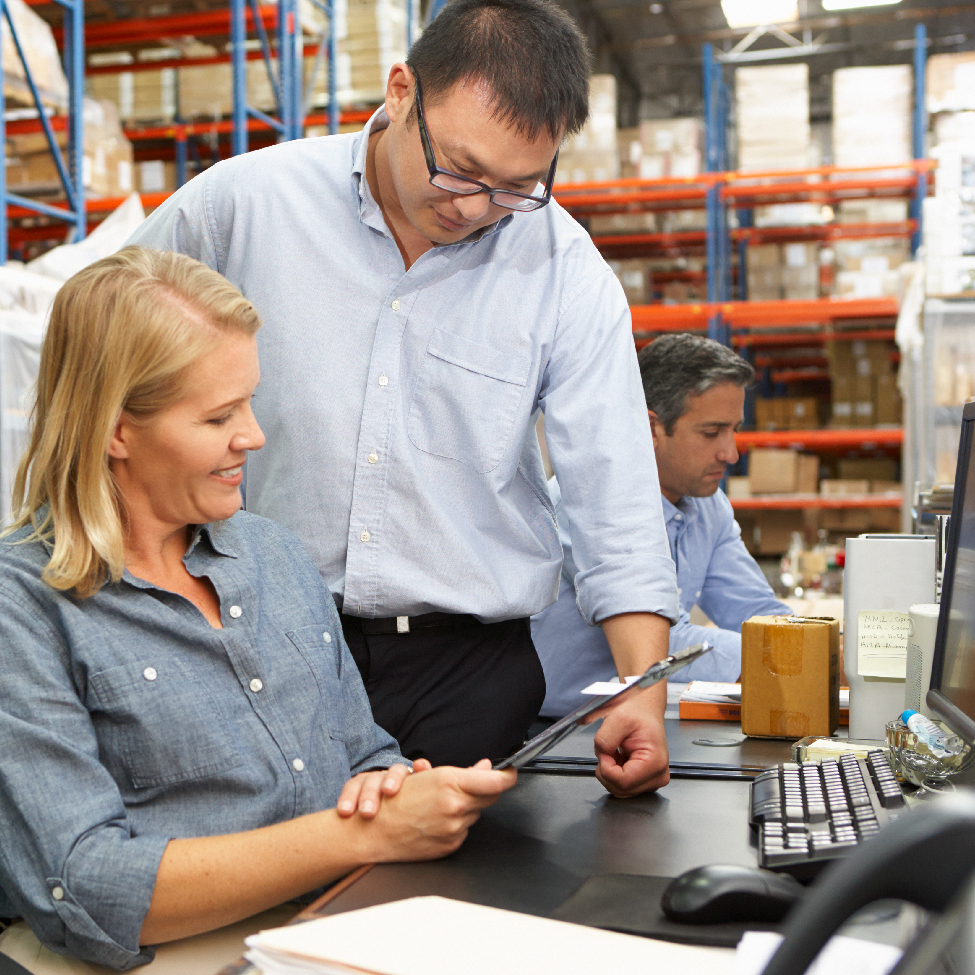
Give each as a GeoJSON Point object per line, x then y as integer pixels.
{"type": "Point", "coordinates": [127, 720]}
{"type": "Point", "coordinates": [400, 405]}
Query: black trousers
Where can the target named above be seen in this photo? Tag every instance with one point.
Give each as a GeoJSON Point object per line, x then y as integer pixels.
{"type": "Point", "coordinates": [453, 694]}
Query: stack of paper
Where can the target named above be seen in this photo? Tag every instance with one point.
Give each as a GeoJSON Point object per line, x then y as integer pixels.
{"type": "Point", "coordinates": [705, 700]}
{"type": "Point", "coordinates": [439, 936]}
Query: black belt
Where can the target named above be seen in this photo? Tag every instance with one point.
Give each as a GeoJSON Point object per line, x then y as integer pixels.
{"type": "Point", "coordinates": [407, 624]}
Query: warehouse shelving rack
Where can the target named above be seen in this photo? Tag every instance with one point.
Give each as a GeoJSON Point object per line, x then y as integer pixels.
{"type": "Point", "coordinates": [69, 170]}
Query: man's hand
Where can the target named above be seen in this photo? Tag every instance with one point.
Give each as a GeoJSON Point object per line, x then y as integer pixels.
{"type": "Point", "coordinates": [632, 745]}
{"type": "Point", "coordinates": [365, 791]}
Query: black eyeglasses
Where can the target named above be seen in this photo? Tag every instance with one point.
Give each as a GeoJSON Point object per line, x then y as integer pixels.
{"type": "Point", "coordinates": [443, 179]}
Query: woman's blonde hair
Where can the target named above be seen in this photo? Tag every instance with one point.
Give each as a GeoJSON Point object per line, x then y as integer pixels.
{"type": "Point", "coordinates": [123, 336]}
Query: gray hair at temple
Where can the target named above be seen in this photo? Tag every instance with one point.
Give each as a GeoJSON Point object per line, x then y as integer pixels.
{"type": "Point", "coordinates": [676, 367]}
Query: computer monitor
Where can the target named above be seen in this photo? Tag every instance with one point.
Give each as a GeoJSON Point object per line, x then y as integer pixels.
{"type": "Point", "coordinates": [952, 693]}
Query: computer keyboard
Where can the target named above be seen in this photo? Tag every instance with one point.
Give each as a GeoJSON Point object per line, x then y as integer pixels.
{"type": "Point", "coordinates": [809, 813]}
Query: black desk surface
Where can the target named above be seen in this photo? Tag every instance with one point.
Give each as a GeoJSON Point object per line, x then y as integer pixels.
{"type": "Point", "coordinates": [542, 839]}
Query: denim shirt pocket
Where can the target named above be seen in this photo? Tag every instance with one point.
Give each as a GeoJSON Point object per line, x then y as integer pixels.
{"type": "Point", "coordinates": [321, 656]}
{"type": "Point", "coordinates": [162, 725]}
{"type": "Point", "coordinates": [465, 401]}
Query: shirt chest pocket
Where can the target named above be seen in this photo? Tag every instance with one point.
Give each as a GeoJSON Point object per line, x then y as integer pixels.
{"type": "Point", "coordinates": [158, 725]}
{"type": "Point", "coordinates": [465, 401]}
{"type": "Point", "coordinates": [319, 651]}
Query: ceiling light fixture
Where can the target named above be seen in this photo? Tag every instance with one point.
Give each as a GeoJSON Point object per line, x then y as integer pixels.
{"type": "Point", "coordinates": [850, 4]}
{"type": "Point", "coordinates": [756, 13]}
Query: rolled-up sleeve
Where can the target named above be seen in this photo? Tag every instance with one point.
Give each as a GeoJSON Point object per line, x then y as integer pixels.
{"type": "Point", "coordinates": [598, 436]}
{"type": "Point", "coordinates": [69, 864]}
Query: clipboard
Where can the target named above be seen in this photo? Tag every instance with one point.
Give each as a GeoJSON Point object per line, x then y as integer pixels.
{"type": "Point", "coordinates": [564, 727]}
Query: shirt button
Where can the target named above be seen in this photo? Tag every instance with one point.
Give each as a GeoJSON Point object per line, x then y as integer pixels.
{"type": "Point", "coordinates": [257, 685]}
{"type": "Point", "coordinates": [678, 517]}
{"type": "Point", "coordinates": [235, 612]}
{"type": "Point", "coordinates": [395, 304]}
{"type": "Point", "coordinates": [150, 673]}
{"type": "Point", "coordinates": [373, 457]}
{"type": "Point", "coordinates": [327, 637]}
{"type": "Point", "coordinates": [299, 765]}
{"type": "Point", "coordinates": [58, 893]}
{"type": "Point", "coordinates": [383, 381]}
{"type": "Point", "coordinates": [365, 536]}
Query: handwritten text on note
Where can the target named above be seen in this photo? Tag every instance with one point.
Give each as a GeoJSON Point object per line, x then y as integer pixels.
{"type": "Point", "coordinates": [882, 643]}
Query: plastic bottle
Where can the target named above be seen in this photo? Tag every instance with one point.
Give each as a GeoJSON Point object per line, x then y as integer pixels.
{"type": "Point", "coordinates": [927, 731]}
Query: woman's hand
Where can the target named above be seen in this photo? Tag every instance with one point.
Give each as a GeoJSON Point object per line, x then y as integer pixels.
{"type": "Point", "coordinates": [434, 810]}
{"type": "Point", "coordinates": [365, 791]}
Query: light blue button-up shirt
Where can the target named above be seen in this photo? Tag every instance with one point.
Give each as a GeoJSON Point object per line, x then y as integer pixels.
{"type": "Point", "coordinates": [400, 405]}
{"type": "Point", "coordinates": [126, 720]}
{"type": "Point", "coordinates": [714, 571]}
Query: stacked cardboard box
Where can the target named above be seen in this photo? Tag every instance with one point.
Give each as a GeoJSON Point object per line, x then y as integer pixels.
{"type": "Point", "coordinates": [864, 386]}
{"type": "Point", "coordinates": [787, 413]}
{"type": "Point", "coordinates": [634, 276]}
{"type": "Point", "coordinates": [374, 40]}
{"type": "Point", "coordinates": [783, 271]}
{"type": "Point", "coordinates": [592, 154]}
{"type": "Point", "coordinates": [670, 148]}
{"type": "Point", "coordinates": [869, 268]}
{"type": "Point", "coordinates": [772, 471]}
{"type": "Point", "coordinates": [872, 116]}
{"type": "Point", "coordinates": [155, 176]}
{"type": "Point", "coordinates": [42, 56]}
{"type": "Point", "coordinates": [139, 96]}
{"type": "Point", "coordinates": [773, 117]}
{"type": "Point", "coordinates": [949, 216]}
{"type": "Point", "coordinates": [860, 477]}
{"type": "Point", "coordinates": [630, 151]}
{"type": "Point", "coordinates": [950, 82]}
{"type": "Point", "coordinates": [106, 160]}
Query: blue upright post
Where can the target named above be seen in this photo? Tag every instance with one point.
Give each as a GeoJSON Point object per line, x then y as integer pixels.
{"type": "Point", "coordinates": [238, 58]}
{"type": "Point", "coordinates": [333, 80]}
{"type": "Point", "coordinates": [712, 164]}
{"type": "Point", "coordinates": [920, 128]}
{"type": "Point", "coordinates": [74, 41]}
{"type": "Point", "coordinates": [3, 169]}
{"type": "Point", "coordinates": [409, 24]}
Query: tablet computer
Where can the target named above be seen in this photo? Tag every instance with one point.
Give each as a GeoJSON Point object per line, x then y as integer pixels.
{"type": "Point", "coordinates": [564, 727]}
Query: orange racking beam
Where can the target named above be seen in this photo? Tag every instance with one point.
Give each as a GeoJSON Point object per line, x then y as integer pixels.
{"type": "Point", "coordinates": [184, 129]}
{"type": "Point", "coordinates": [836, 231]}
{"type": "Point", "coordinates": [810, 338]}
{"type": "Point", "coordinates": [831, 192]}
{"type": "Point", "coordinates": [134, 30]}
{"type": "Point", "coordinates": [794, 501]}
{"type": "Point", "coordinates": [866, 438]}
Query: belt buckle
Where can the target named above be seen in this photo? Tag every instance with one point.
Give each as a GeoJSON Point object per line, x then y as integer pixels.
{"type": "Point", "coordinates": [402, 624]}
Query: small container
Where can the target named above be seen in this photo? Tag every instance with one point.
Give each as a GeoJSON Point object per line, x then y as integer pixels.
{"type": "Point", "coordinates": [913, 760]}
{"type": "Point", "coordinates": [817, 747]}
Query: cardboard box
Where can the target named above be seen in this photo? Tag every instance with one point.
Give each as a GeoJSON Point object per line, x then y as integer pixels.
{"type": "Point", "coordinates": [836, 487]}
{"type": "Point", "coordinates": [774, 529]}
{"type": "Point", "coordinates": [803, 413]}
{"type": "Point", "coordinates": [807, 474]}
{"type": "Point", "coordinates": [863, 401]}
{"type": "Point", "coordinates": [764, 414]}
{"type": "Point", "coordinates": [888, 407]}
{"type": "Point", "coordinates": [773, 471]}
{"type": "Point", "coordinates": [951, 82]}
{"type": "Point", "coordinates": [867, 468]}
{"type": "Point", "coordinates": [790, 676]}
{"type": "Point", "coordinates": [885, 520]}
{"type": "Point", "coordinates": [886, 487]}
{"type": "Point", "coordinates": [737, 487]}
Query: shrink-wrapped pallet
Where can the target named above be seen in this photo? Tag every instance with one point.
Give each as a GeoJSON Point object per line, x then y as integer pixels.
{"type": "Point", "coordinates": [41, 52]}
{"type": "Point", "coordinates": [773, 117]}
{"type": "Point", "coordinates": [872, 115]}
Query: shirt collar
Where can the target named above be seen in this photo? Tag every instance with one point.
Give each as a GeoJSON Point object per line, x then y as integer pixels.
{"type": "Point", "coordinates": [685, 507]}
{"type": "Point", "coordinates": [367, 203]}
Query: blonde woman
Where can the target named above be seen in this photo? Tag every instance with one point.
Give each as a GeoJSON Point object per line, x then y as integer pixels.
{"type": "Point", "coordinates": [180, 719]}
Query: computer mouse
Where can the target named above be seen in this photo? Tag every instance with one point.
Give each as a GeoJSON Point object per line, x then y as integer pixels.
{"type": "Point", "coordinates": [725, 892]}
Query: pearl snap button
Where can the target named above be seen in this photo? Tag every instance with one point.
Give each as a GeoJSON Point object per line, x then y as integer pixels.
{"type": "Point", "coordinates": [383, 381]}
{"type": "Point", "coordinates": [395, 304]}
{"type": "Point", "coordinates": [373, 457]}
{"type": "Point", "coordinates": [299, 765]}
{"type": "Point", "coordinates": [257, 685]}
{"type": "Point", "coordinates": [365, 536]}
{"type": "Point", "coordinates": [327, 637]}
{"type": "Point", "coordinates": [58, 893]}
{"type": "Point", "coordinates": [235, 612]}
{"type": "Point", "coordinates": [150, 673]}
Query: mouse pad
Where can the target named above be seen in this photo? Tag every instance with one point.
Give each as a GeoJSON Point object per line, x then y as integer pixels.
{"type": "Point", "coordinates": [631, 904]}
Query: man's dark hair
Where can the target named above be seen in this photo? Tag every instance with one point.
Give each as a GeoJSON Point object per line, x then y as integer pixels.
{"type": "Point", "coordinates": [676, 367]}
{"type": "Point", "coordinates": [530, 53]}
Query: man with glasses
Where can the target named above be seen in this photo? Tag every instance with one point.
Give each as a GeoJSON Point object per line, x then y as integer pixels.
{"type": "Point", "coordinates": [417, 318]}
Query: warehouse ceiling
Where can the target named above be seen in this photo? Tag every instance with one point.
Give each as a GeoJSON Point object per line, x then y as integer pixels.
{"type": "Point", "coordinates": [655, 49]}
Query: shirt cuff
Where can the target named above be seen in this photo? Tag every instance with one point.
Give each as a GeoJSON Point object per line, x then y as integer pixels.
{"type": "Point", "coordinates": [610, 590]}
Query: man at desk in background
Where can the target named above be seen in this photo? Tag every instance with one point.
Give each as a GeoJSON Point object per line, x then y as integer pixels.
{"type": "Point", "coordinates": [416, 318]}
{"type": "Point", "coordinates": [695, 393]}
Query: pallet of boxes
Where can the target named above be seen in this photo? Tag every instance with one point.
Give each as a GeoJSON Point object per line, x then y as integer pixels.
{"type": "Point", "coordinates": [106, 161]}
{"type": "Point", "coordinates": [864, 393]}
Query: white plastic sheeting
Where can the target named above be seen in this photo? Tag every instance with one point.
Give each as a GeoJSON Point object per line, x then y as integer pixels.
{"type": "Point", "coordinates": [26, 295]}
